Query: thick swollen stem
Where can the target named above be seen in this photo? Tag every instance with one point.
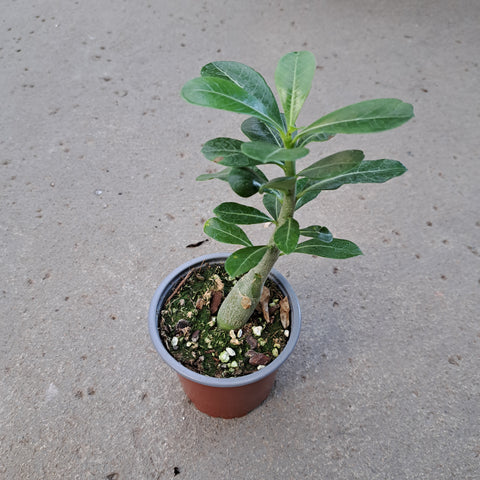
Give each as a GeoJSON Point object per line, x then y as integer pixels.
{"type": "Point", "coordinates": [242, 300]}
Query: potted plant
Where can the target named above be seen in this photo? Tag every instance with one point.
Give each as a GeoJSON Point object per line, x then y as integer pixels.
{"type": "Point", "coordinates": [273, 138]}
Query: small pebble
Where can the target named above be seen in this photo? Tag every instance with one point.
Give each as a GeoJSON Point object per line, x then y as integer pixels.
{"type": "Point", "coordinates": [286, 333]}
{"type": "Point", "coordinates": [230, 351]}
{"type": "Point", "coordinates": [257, 331]}
{"type": "Point", "coordinates": [224, 357]}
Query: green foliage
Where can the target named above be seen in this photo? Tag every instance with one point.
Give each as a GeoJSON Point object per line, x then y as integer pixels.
{"type": "Point", "coordinates": [226, 232]}
{"type": "Point", "coordinates": [273, 203]}
{"type": "Point", "coordinates": [244, 260]}
{"type": "Point", "coordinates": [286, 235]}
{"type": "Point", "coordinates": [336, 248]}
{"type": "Point", "coordinates": [240, 214]}
{"type": "Point", "coordinates": [364, 117]}
{"type": "Point", "coordinates": [293, 79]}
{"type": "Point", "coordinates": [274, 138]}
{"type": "Point", "coordinates": [228, 152]}
{"type": "Point", "coordinates": [316, 231]}
{"type": "Point", "coordinates": [246, 181]}
{"type": "Point", "coordinates": [333, 165]}
{"type": "Point", "coordinates": [234, 87]}
{"type": "Point", "coordinates": [267, 153]}
{"type": "Point", "coordinates": [256, 130]}
{"type": "Point", "coordinates": [369, 171]}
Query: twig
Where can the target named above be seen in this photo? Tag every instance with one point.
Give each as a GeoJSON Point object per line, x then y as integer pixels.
{"type": "Point", "coordinates": [179, 286]}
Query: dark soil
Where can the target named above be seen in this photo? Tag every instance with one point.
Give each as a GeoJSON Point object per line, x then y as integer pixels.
{"type": "Point", "coordinates": [188, 327]}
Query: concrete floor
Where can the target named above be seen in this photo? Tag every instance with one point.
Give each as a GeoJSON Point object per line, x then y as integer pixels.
{"type": "Point", "coordinates": [98, 202]}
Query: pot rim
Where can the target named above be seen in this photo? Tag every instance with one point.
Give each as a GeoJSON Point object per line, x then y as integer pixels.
{"type": "Point", "coordinates": [162, 291]}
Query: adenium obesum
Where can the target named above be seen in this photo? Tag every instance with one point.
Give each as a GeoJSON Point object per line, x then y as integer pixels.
{"type": "Point", "coordinates": [273, 137]}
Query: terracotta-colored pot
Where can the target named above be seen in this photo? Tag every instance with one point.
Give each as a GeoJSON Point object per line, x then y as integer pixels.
{"type": "Point", "coordinates": [223, 397]}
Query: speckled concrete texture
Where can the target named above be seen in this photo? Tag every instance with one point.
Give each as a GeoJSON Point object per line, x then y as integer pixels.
{"type": "Point", "coordinates": [98, 202]}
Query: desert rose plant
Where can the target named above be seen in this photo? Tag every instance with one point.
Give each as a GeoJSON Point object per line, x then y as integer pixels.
{"type": "Point", "coordinates": [275, 138]}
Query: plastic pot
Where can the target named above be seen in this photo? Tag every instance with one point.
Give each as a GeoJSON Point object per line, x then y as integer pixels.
{"type": "Point", "coordinates": [223, 397]}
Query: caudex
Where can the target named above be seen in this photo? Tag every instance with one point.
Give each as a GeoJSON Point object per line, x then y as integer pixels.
{"type": "Point", "coordinates": [274, 138]}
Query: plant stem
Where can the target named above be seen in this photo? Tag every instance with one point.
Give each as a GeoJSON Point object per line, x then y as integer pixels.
{"type": "Point", "coordinates": [242, 300]}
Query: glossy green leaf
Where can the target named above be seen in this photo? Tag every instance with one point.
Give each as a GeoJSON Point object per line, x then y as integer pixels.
{"type": "Point", "coordinates": [364, 117]}
{"type": "Point", "coordinates": [337, 248]}
{"type": "Point", "coordinates": [268, 153]}
{"type": "Point", "coordinates": [251, 82]}
{"type": "Point", "coordinates": [333, 165]}
{"type": "Point", "coordinates": [316, 231]}
{"type": "Point", "coordinates": [226, 151]}
{"type": "Point", "coordinates": [243, 260]}
{"type": "Point", "coordinates": [293, 79]}
{"type": "Point", "coordinates": [286, 236]}
{"type": "Point", "coordinates": [273, 204]}
{"type": "Point", "coordinates": [281, 183]}
{"type": "Point", "coordinates": [256, 130]}
{"type": "Point", "coordinates": [240, 214]}
{"type": "Point", "coordinates": [369, 171]}
{"type": "Point", "coordinates": [314, 137]}
{"type": "Point", "coordinates": [226, 232]}
{"type": "Point", "coordinates": [303, 196]}
{"type": "Point", "coordinates": [225, 95]}
{"type": "Point", "coordinates": [221, 175]}
{"type": "Point", "coordinates": [246, 181]}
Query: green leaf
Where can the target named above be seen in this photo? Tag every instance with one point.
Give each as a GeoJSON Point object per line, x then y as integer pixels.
{"type": "Point", "coordinates": [280, 183]}
{"type": "Point", "coordinates": [243, 260]}
{"type": "Point", "coordinates": [226, 232]}
{"type": "Point", "coordinates": [226, 151]}
{"type": "Point", "coordinates": [246, 181]}
{"type": "Point", "coordinates": [333, 165]}
{"type": "Point", "coordinates": [307, 197]}
{"type": "Point", "coordinates": [364, 117]}
{"type": "Point", "coordinates": [273, 204]}
{"type": "Point", "coordinates": [293, 78]}
{"type": "Point", "coordinates": [268, 153]}
{"type": "Point", "coordinates": [316, 231]}
{"type": "Point", "coordinates": [256, 130]}
{"type": "Point", "coordinates": [369, 171]}
{"type": "Point", "coordinates": [225, 95]}
{"type": "Point", "coordinates": [251, 82]}
{"type": "Point", "coordinates": [314, 137]}
{"type": "Point", "coordinates": [221, 175]}
{"type": "Point", "coordinates": [337, 248]}
{"type": "Point", "coordinates": [240, 214]}
{"type": "Point", "coordinates": [303, 198]}
{"type": "Point", "coordinates": [286, 236]}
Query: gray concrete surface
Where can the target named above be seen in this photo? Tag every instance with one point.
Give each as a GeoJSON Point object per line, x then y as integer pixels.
{"type": "Point", "coordinates": [98, 202]}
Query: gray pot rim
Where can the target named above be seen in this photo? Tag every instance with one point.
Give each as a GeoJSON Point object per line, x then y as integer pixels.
{"type": "Point", "coordinates": [160, 296]}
